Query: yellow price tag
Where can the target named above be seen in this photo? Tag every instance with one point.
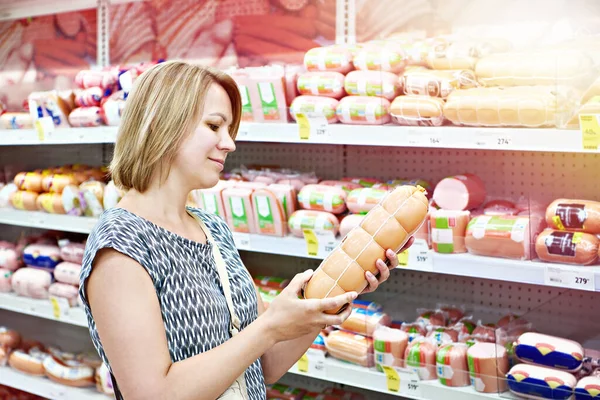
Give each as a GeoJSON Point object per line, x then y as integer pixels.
{"type": "Point", "coordinates": [303, 126]}
{"type": "Point", "coordinates": [303, 363]}
{"type": "Point", "coordinates": [39, 127]}
{"type": "Point", "coordinates": [403, 258]}
{"type": "Point", "coordinates": [312, 243]}
{"type": "Point", "coordinates": [44, 127]}
{"type": "Point", "coordinates": [590, 130]}
{"type": "Point", "coordinates": [392, 378]}
{"type": "Point", "coordinates": [577, 236]}
{"type": "Point", "coordinates": [558, 223]}
{"type": "Point", "coordinates": [55, 307]}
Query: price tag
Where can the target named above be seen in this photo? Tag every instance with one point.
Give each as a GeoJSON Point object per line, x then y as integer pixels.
{"type": "Point", "coordinates": [435, 139]}
{"type": "Point", "coordinates": [392, 379]}
{"type": "Point", "coordinates": [312, 125]}
{"type": "Point", "coordinates": [60, 306]}
{"type": "Point", "coordinates": [403, 258]}
{"type": "Point", "coordinates": [590, 130]}
{"type": "Point", "coordinates": [503, 141]}
{"type": "Point", "coordinates": [242, 241]}
{"type": "Point", "coordinates": [492, 140]}
{"type": "Point", "coordinates": [420, 256]}
{"type": "Point", "coordinates": [319, 244]}
{"type": "Point", "coordinates": [312, 362]}
{"type": "Point", "coordinates": [416, 138]}
{"type": "Point", "coordinates": [44, 127]}
{"type": "Point", "coordinates": [303, 363]}
{"type": "Point", "coordinates": [570, 278]}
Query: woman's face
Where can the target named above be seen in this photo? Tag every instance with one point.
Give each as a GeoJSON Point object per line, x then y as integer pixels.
{"type": "Point", "coordinates": [203, 153]}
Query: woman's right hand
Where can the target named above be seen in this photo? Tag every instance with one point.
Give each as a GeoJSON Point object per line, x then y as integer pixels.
{"type": "Point", "coordinates": [291, 317]}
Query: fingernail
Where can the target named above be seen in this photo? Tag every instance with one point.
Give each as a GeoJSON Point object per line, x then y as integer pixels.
{"type": "Point", "coordinates": [370, 275]}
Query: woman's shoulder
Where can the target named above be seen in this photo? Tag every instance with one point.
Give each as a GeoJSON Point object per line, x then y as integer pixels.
{"type": "Point", "coordinates": [215, 223]}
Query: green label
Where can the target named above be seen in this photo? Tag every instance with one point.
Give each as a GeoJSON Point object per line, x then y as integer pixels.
{"type": "Point", "coordinates": [471, 362]}
{"type": "Point", "coordinates": [238, 212]}
{"type": "Point", "coordinates": [442, 224]}
{"type": "Point", "coordinates": [263, 213]}
{"type": "Point", "coordinates": [246, 102]}
{"type": "Point", "coordinates": [414, 356]}
{"type": "Point", "coordinates": [268, 100]}
{"type": "Point", "coordinates": [210, 203]}
{"type": "Point", "coordinates": [379, 345]}
{"type": "Point", "coordinates": [441, 361]}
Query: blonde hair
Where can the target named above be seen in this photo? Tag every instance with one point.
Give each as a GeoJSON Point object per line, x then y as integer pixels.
{"type": "Point", "coordinates": [164, 106]}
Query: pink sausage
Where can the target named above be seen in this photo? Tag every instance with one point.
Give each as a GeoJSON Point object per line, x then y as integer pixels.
{"type": "Point", "coordinates": [9, 257]}
{"type": "Point", "coordinates": [329, 58]}
{"type": "Point", "coordinates": [73, 252]}
{"type": "Point", "coordinates": [67, 272]}
{"type": "Point", "coordinates": [460, 192]}
{"type": "Point", "coordinates": [31, 282]}
{"type": "Point", "coordinates": [372, 83]}
{"type": "Point", "coordinates": [325, 83]}
{"type": "Point", "coordinates": [86, 117]}
{"type": "Point", "coordinates": [322, 106]}
{"type": "Point", "coordinates": [89, 97]}
{"type": "Point", "coordinates": [363, 110]}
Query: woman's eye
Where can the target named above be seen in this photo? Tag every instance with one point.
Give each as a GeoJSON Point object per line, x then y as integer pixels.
{"type": "Point", "coordinates": [213, 127]}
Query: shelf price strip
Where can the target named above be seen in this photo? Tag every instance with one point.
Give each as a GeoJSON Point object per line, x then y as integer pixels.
{"type": "Point", "coordinates": [590, 131]}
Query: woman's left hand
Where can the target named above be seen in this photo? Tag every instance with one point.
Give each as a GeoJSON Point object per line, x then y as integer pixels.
{"type": "Point", "coordinates": [384, 270]}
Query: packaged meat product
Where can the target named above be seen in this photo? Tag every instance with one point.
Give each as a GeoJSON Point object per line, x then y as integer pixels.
{"type": "Point", "coordinates": [455, 314]}
{"type": "Point", "coordinates": [364, 322]}
{"type": "Point", "coordinates": [329, 58]}
{"type": "Point", "coordinates": [29, 181]}
{"type": "Point", "coordinates": [564, 67]}
{"type": "Point", "coordinates": [322, 198]}
{"type": "Point", "coordinates": [319, 343]}
{"type": "Point", "coordinates": [112, 195]}
{"type": "Point", "coordinates": [350, 222]}
{"type": "Point", "coordinates": [363, 182]}
{"type": "Point", "coordinates": [510, 321]}
{"type": "Point", "coordinates": [284, 392]}
{"type": "Point", "coordinates": [363, 110]}
{"type": "Point", "coordinates": [502, 236]}
{"type": "Point", "coordinates": [372, 83]}
{"type": "Point", "coordinates": [451, 362]}
{"type": "Point", "coordinates": [345, 186]}
{"type": "Point", "coordinates": [56, 183]}
{"type": "Point", "coordinates": [387, 226]}
{"type": "Point", "coordinates": [93, 193]}
{"type": "Point", "coordinates": [286, 194]}
{"type": "Point", "coordinates": [321, 106]}
{"type": "Point", "coordinates": [94, 78]}
{"type": "Point", "coordinates": [69, 373]}
{"type": "Point", "coordinates": [458, 53]}
{"type": "Point", "coordinates": [367, 305]}
{"type": "Point", "coordinates": [587, 388]}
{"type": "Point", "coordinates": [420, 357]}
{"type": "Point", "coordinates": [67, 272]}
{"type": "Point", "coordinates": [448, 230]}
{"type": "Point", "coordinates": [112, 108]}
{"type": "Point", "coordinates": [72, 252]}
{"type": "Point", "coordinates": [89, 97]}
{"type": "Point", "coordinates": [566, 247]}
{"type": "Point", "coordinates": [269, 215]}
{"type": "Point", "coordinates": [49, 104]}
{"type": "Point", "coordinates": [5, 280]}
{"type": "Point", "coordinates": [488, 366]}
{"type": "Point", "coordinates": [50, 203]}
{"type": "Point", "coordinates": [9, 338]}
{"type": "Point", "coordinates": [41, 256]}
{"type": "Point", "coordinates": [211, 200]}
{"type": "Point", "coordinates": [238, 209]}
{"type": "Point", "coordinates": [486, 334]}
{"type": "Point", "coordinates": [460, 192]}
{"type": "Point", "coordinates": [16, 120]}
{"type": "Point", "coordinates": [432, 318]}
{"type": "Point", "coordinates": [322, 83]}
{"type": "Point", "coordinates": [426, 82]}
{"type": "Point", "coordinates": [9, 256]}
{"type": "Point", "coordinates": [550, 351]}
{"type": "Point", "coordinates": [103, 380]}
{"type": "Point", "coordinates": [321, 221]}
{"type": "Point", "coordinates": [31, 282]}
{"type": "Point", "coordinates": [6, 193]}
{"type": "Point", "coordinates": [574, 215]}
{"type": "Point", "coordinates": [24, 200]}
{"type": "Point", "coordinates": [30, 363]}
{"type": "Point", "coordinates": [350, 347]}
{"type": "Point", "coordinates": [533, 382]}
{"type": "Point", "coordinates": [522, 106]}
{"type": "Point", "coordinates": [414, 330]}
{"type": "Point", "coordinates": [500, 207]}
{"type": "Point", "coordinates": [379, 58]}
{"type": "Point", "coordinates": [270, 100]}
{"type": "Point", "coordinates": [389, 345]}
{"type": "Point", "coordinates": [417, 111]}
{"type": "Point", "coordinates": [442, 335]}
{"type": "Point", "coordinates": [69, 292]}
{"type": "Point", "coordinates": [361, 201]}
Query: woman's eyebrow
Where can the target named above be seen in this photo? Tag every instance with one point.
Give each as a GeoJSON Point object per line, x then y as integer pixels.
{"type": "Point", "coordinates": [219, 115]}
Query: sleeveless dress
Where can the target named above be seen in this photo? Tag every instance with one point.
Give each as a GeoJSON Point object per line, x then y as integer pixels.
{"type": "Point", "coordinates": [185, 277]}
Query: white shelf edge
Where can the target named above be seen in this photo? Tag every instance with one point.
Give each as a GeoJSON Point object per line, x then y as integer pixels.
{"type": "Point", "coordinates": [35, 8]}
{"type": "Point", "coordinates": [41, 309]}
{"type": "Point", "coordinates": [450, 137]}
{"type": "Point", "coordinates": [44, 387]}
{"type": "Point", "coordinates": [507, 270]}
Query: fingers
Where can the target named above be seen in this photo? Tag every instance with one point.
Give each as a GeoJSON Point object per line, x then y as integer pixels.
{"type": "Point", "coordinates": [393, 257]}
{"type": "Point", "coordinates": [299, 281]}
{"type": "Point", "coordinates": [337, 319]}
{"type": "Point", "coordinates": [334, 303]}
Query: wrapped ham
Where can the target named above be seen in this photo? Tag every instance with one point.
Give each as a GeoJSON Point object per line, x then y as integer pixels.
{"type": "Point", "coordinates": [488, 365]}
{"type": "Point", "coordinates": [372, 83]}
{"type": "Point", "coordinates": [452, 369]}
{"type": "Point", "coordinates": [389, 345]}
{"type": "Point", "coordinates": [417, 111]}
{"type": "Point", "coordinates": [460, 192]}
{"type": "Point", "coordinates": [448, 230]}
{"type": "Point", "coordinates": [329, 58]}
{"type": "Point", "coordinates": [321, 221]}
{"type": "Point", "coordinates": [420, 356]}
{"type": "Point", "coordinates": [501, 236]}
{"type": "Point", "coordinates": [363, 110]}
{"type": "Point", "coordinates": [323, 83]}
{"type": "Point", "coordinates": [315, 105]}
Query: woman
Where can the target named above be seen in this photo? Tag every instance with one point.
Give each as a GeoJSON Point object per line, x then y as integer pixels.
{"type": "Point", "coordinates": [150, 284]}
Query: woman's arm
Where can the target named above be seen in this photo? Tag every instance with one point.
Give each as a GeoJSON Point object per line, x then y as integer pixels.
{"type": "Point", "coordinates": [129, 323]}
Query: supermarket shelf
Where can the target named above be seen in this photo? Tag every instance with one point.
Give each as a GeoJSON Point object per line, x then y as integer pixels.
{"type": "Point", "coordinates": [336, 371]}
{"type": "Point", "coordinates": [18, 9]}
{"type": "Point", "coordinates": [44, 387]}
{"type": "Point", "coordinates": [420, 258]}
{"type": "Point", "coordinates": [42, 309]}
{"type": "Point", "coordinates": [511, 139]}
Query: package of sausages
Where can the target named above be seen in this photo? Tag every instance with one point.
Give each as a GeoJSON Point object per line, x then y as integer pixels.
{"type": "Point", "coordinates": [269, 215]}
{"type": "Point", "coordinates": [320, 221]}
{"type": "Point", "coordinates": [380, 58]}
{"type": "Point", "coordinates": [93, 193]}
{"type": "Point", "coordinates": [443, 335]}
{"type": "Point", "coordinates": [521, 106]}
{"type": "Point", "coordinates": [364, 322]}
{"type": "Point", "coordinates": [322, 83]}
{"type": "Point", "coordinates": [372, 83]}
{"type": "Point", "coordinates": [238, 209]}
{"type": "Point", "coordinates": [488, 366]}
{"type": "Point", "coordinates": [16, 120]}
{"type": "Point", "coordinates": [451, 365]}
{"type": "Point", "coordinates": [49, 104]}
{"type": "Point", "coordinates": [420, 357]}
{"type": "Point", "coordinates": [587, 388]}
{"type": "Point", "coordinates": [24, 200]}
{"type": "Point", "coordinates": [534, 382]}
{"type": "Point", "coordinates": [321, 106]}
{"type": "Point", "coordinates": [448, 230]}
{"type": "Point", "coordinates": [41, 256]}
{"type": "Point", "coordinates": [363, 110]}
{"type": "Point", "coordinates": [65, 291]}
{"type": "Point", "coordinates": [344, 185]}
{"type": "Point", "coordinates": [329, 58]}
{"type": "Point", "coordinates": [389, 345]}
{"type": "Point", "coordinates": [460, 192]}
{"type": "Point", "coordinates": [29, 362]}
{"type": "Point", "coordinates": [361, 201]}
{"type": "Point", "coordinates": [565, 247]}
{"type": "Point", "coordinates": [545, 350]}
{"type": "Point", "coordinates": [387, 226]}
{"type": "Point", "coordinates": [574, 215]}
{"type": "Point", "coordinates": [417, 111]}
{"type": "Point", "coordinates": [351, 347]}
{"type": "Point", "coordinates": [427, 82]}
{"type": "Point", "coordinates": [86, 117]}
{"type": "Point", "coordinates": [322, 198]}
{"type": "Point", "coordinates": [29, 181]}
{"type": "Point", "coordinates": [499, 236]}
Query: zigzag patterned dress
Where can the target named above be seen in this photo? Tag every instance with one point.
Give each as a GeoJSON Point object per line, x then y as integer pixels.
{"type": "Point", "coordinates": [193, 306]}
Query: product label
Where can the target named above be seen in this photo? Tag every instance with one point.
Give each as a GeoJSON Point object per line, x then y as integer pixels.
{"type": "Point", "coordinates": [246, 104]}
{"type": "Point", "coordinates": [210, 203]}
{"type": "Point", "coordinates": [238, 212]}
{"type": "Point", "coordinates": [570, 216]}
{"type": "Point", "coordinates": [562, 243]}
{"type": "Point", "coordinates": [18, 202]}
{"type": "Point", "coordinates": [443, 235]}
{"type": "Point", "coordinates": [47, 203]}
{"type": "Point", "coordinates": [320, 200]}
{"type": "Point", "coordinates": [268, 101]}
{"type": "Point", "coordinates": [499, 227]}
{"type": "Point", "coordinates": [264, 215]}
